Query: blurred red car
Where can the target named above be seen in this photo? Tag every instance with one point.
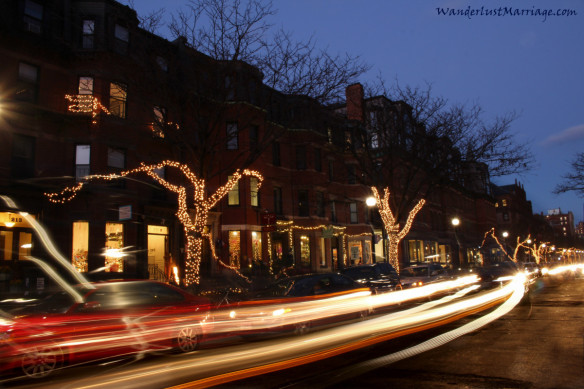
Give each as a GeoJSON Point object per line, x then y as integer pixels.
{"type": "Point", "coordinates": [112, 319]}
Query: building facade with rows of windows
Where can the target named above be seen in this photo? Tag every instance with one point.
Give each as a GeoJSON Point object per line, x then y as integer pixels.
{"type": "Point", "coordinates": [103, 115]}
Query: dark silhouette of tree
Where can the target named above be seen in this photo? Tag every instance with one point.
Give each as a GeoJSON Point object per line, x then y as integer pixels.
{"type": "Point", "coordinates": [574, 180]}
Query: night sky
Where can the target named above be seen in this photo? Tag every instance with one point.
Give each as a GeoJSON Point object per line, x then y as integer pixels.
{"type": "Point", "coordinates": [531, 64]}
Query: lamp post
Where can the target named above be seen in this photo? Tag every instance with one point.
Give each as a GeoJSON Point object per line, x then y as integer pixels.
{"type": "Point", "coordinates": [505, 235]}
{"type": "Point", "coordinates": [372, 202]}
{"type": "Point", "coordinates": [455, 223]}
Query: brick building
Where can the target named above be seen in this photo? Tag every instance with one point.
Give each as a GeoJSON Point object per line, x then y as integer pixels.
{"type": "Point", "coordinates": [86, 92]}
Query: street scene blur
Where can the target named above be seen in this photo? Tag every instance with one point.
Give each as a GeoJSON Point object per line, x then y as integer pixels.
{"type": "Point", "coordinates": [220, 208]}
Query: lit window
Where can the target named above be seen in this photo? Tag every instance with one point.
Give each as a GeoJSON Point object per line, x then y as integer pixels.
{"type": "Point", "coordinates": [234, 249]}
{"type": "Point", "coordinates": [118, 98]}
{"type": "Point", "coordinates": [80, 246]}
{"type": "Point", "coordinates": [254, 195]}
{"type": "Point", "coordinates": [233, 195]}
{"type": "Point", "coordinates": [114, 244]}
{"type": "Point", "coordinates": [504, 201]}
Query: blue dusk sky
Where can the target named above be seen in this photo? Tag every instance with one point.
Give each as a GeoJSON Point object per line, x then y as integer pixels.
{"type": "Point", "coordinates": [532, 64]}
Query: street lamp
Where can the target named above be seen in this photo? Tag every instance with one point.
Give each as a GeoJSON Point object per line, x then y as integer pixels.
{"type": "Point", "coordinates": [505, 235]}
{"type": "Point", "coordinates": [372, 202]}
{"type": "Point", "coordinates": [455, 223]}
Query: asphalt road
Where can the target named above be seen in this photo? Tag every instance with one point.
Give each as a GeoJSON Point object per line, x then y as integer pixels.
{"type": "Point", "coordinates": [539, 344]}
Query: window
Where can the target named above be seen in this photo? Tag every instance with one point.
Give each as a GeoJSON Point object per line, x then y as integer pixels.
{"type": "Point", "coordinates": [333, 212]}
{"type": "Point", "coordinates": [305, 250]}
{"type": "Point", "coordinates": [116, 158]}
{"type": "Point", "coordinates": [234, 249]}
{"type": "Point", "coordinates": [300, 157]}
{"type": "Point", "coordinates": [80, 246]}
{"type": "Point", "coordinates": [278, 201]}
{"type": "Point", "coordinates": [233, 195]}
{"type": "Point", "coordinates": [122, 37]}
{"type": "Point", "coordinates": [317, 160]}
{"type": "Point", "coordinates": [85, 85]}
{"type": "Point", "coordinates": [229, 89]}
{"type": "Point", "coordinates": [353, 210]}
{"type": "Point", "coordinates": [504, 201]}
{"type": "Point", "coordinates": [276, 154]}
{"type": "Point", "coordinates": [33, 16]}
{"type": "Point", "coordinates": [162, 63]}
{"type": "Point", "coordinates": [232, 136]}
{"type": "Point", "coordinates": [253, 189]}
{"type": "Point", "coordinates": [320, 204]}
{"type": "Point", "coordinates": [159, 121]}
{"type": "Point", "coordinates": [82, 161]}
{"type": "Point", "coordinates": [303, 208]}
{"type": "Point", "coordinates": [118, 98]}
{"type": "Point", "coordinates": [23, 156]}
{"type": "Point", "coordinates": [28, 79]}
{"type": "Point", "coordinates": [256, 246]}
{"type": "Point", "coordinates": [88, 34]}
{"type": "Point", "coordinates": [351, 175]}
{"type": "Point", "coordinates": [331, 172]}
{"type": "Point", "coordinates": [253, 137]}
{"type": "Point", "coordinates": [114, 243]}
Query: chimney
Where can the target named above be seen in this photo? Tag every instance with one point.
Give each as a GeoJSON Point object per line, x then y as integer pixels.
{"type": "Point", "coordinates": [354, 94]}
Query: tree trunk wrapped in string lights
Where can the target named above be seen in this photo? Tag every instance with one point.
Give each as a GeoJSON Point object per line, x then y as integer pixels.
{"type": "Point", "coordinates": [391, 224]}
{"type": "Point", "coordinates": [201, 203]}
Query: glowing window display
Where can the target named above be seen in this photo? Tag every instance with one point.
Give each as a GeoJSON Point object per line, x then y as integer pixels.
{"type": "Point", "coordinates": [234, 249]}
{"type": "Point", "coordinates": [80, 246]}
{"type": "Point", "coordinates": [114, 243]}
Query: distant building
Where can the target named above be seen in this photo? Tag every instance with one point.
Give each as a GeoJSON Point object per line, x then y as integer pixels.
{"type": "Point", "coordinates": [562, 223]}
{"type": "Point", "coordinates": [514, 211]}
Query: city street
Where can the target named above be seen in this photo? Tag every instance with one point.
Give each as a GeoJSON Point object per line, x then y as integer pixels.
{"type": "Point", "coordinates": [537, 345]}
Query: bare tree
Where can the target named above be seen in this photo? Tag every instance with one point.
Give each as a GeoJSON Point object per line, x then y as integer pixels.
{"type": "Point", "coordinates": [413, 143]}
{"type": "Point", "coordinates": [241, 31]}
{"type": "Point", "coordinates": [574, 180]}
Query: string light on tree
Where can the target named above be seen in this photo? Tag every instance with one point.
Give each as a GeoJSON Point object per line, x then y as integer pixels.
{"type": "Point", "coordinates": [392, 227]}
{"type": "Point", "coordinates": [193, 225]}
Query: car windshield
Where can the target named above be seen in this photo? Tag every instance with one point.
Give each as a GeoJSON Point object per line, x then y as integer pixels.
{"type": "Point", "coordinates": [360, 273]}
{"type": "Point", "coordinates": [415, 272]}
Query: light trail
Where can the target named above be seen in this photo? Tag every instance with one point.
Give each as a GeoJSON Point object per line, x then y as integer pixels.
{"type": "Point", "coordinates": [213, 367]}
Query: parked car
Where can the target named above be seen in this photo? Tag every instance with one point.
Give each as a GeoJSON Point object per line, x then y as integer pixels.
{"type": "Point", "coordinates": [532, 269]}
{"type": "Point", "coordinates": [380, 277]}
{"type": "Point", "coordinates": [296, 304]}
{"type": "Point", "coordinates": [103, 320]}
{"type": "Point", "coordinates": [422, 274]}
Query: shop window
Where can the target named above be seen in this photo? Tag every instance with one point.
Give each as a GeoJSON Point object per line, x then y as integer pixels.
{"type": "Point", "coordinates": [232, 136]}
{"type": "Point", "coordinates": [82, 161]}
{"type": "Point", "coordinates": [356, 253]}
{"type": "Point", "coordinates": [114, 244]}
{"type": "Point", "coordinates": [234, 249]}
{"type": "Point", "coordinates": [33, 16]}
{"type": "Point", "coordinates": [88, 34]}
{"type": "Point", "coordinates": [322, 252]}
{"type": "Point", "coordinates": [256, 246]}
{"type": "Point", "coordinates": [118, 99]}
{"type": "Point", "coordinates": [254, 192]}
{"type": "Point", "coordinates": [305, 250]}
{"type": "Point", "coordinates": [233, 195]}
{"type": "Point", "coordinates": [80, 246]}
{"type": "Point", "coordinates": [353, 211]}
{"type": "Point", "coordinates": [28, 80]}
